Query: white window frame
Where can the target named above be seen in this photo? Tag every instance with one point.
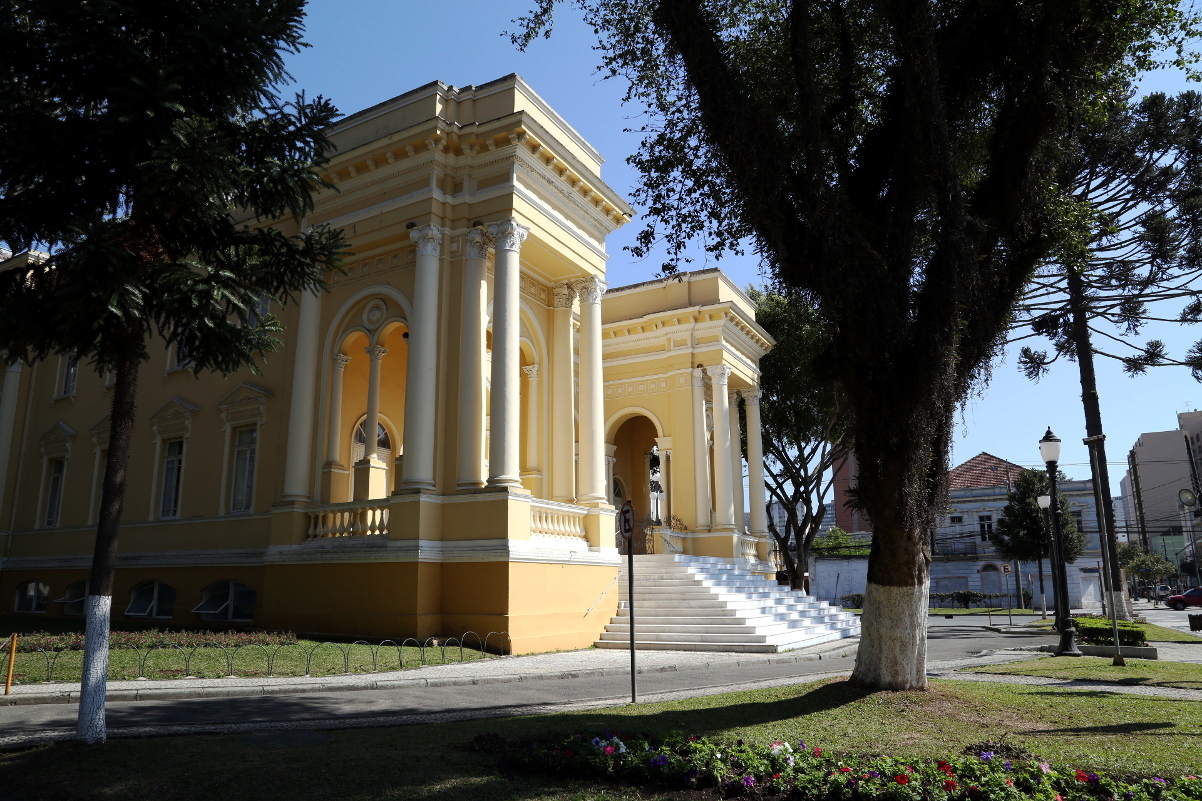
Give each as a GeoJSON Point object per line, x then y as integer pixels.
{"type": "Point", "coordinates": [43, 591]}
{"type": "Point", "coordinates": [243, 471]}
{"type": "Point", "coordinates": [172, 479]}
{"type": "Point", "coordinates": [985, 525]}
{"type": "Point", "coordinates": [156, 587]}
{"type": "Point", "coordinates": [217, 602]}
{"type": "Point", "coordinates": [172, 421]}
{"type": "Point", "coordinates": [68, 378]}
{"type": "Point", "coordinates": [70, 599]}
{"type": "Point", "coordinates": [55, 444]}
{"type": "Point", "coordinates": [57, 469]}
{"type": "Point", "coordinates": [244, 407]}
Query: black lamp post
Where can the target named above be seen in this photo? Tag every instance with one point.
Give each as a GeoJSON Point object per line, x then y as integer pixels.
{"type": "Point", "coordinates": [1049, 451]}
{"type": "Point", "coordinates": [1045, 502]}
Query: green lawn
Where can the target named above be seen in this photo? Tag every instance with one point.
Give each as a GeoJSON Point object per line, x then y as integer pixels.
{"type": "Point", "coordinates": [1131, 735]}
{"type": "Point", "coordinates": [1143, 672]}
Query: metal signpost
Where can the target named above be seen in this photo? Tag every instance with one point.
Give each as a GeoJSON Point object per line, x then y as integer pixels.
{"type": "Point", "coordinates": [626, 521]}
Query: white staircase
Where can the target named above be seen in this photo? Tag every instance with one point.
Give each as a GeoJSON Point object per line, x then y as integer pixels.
{"type": "Point", "coordinates": [701, 603]}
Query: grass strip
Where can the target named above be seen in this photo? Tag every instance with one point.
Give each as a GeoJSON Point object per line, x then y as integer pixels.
{"type": "Point", "coordinates": [1137, 672]}
{"type": "Point", "coordinates": [1096, 730]}
{"type": "Point", "coordinates": [1152, 632]}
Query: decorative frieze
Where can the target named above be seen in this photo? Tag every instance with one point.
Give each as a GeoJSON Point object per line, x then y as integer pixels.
{"type": "Point", "coordinates": [631, 388]}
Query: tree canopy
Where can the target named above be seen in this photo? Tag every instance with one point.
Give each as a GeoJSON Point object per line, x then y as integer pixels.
{"type": "Point", "coordinates": [143, 147]}
{"type": "Point", "coordinates": [1023, 530]}
{"type": "Point", "coordinates": [895, 161]}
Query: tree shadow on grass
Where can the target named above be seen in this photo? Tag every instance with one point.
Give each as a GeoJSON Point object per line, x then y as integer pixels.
{"type": "Point", "coordinates": [1140, 728]}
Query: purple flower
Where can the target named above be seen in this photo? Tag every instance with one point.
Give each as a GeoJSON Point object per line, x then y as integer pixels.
{"type": "Point", "coordinates": [874, 774]}
{"type": "Point", "coordinates": [1159, 780]}
{"type": "Point", "coordinates": [692, 773]}
{"type": "Point", "coordinates": [851, 783]}
{"type": "Point", "coordinates": [1007, 765]}
{"type": "Point", "coordinates": [1093, 778]}
{"type": "Point", "coordinates": [659, 761]}
{"type": "Point", "coordinates": [748, 781]}
{"type": "Point", "coordinates": [1127, 796]}
{"type": "Point", "coordinates": [801, 744]}
{"type": "Point", "coordinates": [738, 742]}
{"type": "Point", "coordinates": [986, 756]}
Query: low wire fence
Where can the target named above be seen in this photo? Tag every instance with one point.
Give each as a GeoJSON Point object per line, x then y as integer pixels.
{"type": "Point", "coordinates": [37, 663]}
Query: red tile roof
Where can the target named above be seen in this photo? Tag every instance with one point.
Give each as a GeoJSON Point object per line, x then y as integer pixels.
{"type": "Point", "coordinates": [983, 470]}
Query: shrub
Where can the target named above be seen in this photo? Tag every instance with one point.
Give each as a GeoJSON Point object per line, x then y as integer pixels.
{"type": "Point", "coordinates": [853, 601]}
{"type": "Point", "coordinates": [1099, 631]}
{"type": "Point", "coordinates": [154, 638]}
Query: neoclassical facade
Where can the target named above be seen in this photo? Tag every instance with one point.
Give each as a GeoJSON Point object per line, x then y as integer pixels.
{"type": "Point", "coordinates": [439, 445]}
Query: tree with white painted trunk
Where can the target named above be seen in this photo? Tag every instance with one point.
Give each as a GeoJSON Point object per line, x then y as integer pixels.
{"type": "Point", "coordinates": [142, 148]}
{"type": "Point", "coordinates": [894, 161]}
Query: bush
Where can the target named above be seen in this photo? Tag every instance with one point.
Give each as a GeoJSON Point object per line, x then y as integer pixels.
{"type": "Point", "coordinates": [853, 601]}
{"type": "Point", "coordinates": [1099, 631]}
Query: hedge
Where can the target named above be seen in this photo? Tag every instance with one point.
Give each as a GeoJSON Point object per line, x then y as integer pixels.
{"type": "Point", "coordinates": [154, 638]}
{"type": "Point", "coordinates": [1099, 631]}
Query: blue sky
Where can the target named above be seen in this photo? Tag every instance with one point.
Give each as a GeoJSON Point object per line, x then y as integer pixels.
{"type": "Point", "coordinates": [366, 51]}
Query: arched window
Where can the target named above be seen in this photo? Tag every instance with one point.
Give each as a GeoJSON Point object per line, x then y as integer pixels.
{"type": "Point", "coordinates": [32, 596]}
{"type": "Point", "coordinates": [991, 579]}
{"type": "Point", "coordinates": [151, 599]}
{"type": "Point", "coordinates": [73, 601]}
{"type": "Point", "coordinates": [227, 600]}
{"type": "Point", "coordinates": [383, 443]}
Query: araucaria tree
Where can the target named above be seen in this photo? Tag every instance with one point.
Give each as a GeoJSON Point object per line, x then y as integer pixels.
{"type": "Point", "coordinates": [1023, 531]}
{"type": "Point", "coordinates": [894, 160]}
{"type": "Point", "coordinates": [805, 423]}
{"type": "Point", "coordinates": [1136, 177]}
{"type": "Point", "coordinates": [141, 146]}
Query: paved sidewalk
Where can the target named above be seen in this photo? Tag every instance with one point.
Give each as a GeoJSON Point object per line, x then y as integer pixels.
{"type": "Point", "coordinates": [493, 670]}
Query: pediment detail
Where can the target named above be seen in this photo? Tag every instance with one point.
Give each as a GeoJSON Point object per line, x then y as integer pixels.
{"type": "Point", "coordinates": [245, 404]}
{"type": "Point", "coordinates": [100, 432]}
{"type": "Point", "coordinates": [173, 419]}
{"type": "Point", "coordinates": [56, 442]}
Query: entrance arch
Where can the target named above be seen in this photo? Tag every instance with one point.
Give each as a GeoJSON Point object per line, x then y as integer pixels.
{"type": "Point", "coordinates": [636, 471]}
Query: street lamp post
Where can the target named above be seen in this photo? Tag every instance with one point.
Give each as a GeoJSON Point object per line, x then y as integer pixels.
{"type": "Point", "coordinates": [1049, 451]}
{"type": "Point", "coordinates": [1045, 501]}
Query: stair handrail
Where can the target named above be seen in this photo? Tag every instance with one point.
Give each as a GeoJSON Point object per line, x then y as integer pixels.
{"type": "Point", "coordinates": [589, 611]}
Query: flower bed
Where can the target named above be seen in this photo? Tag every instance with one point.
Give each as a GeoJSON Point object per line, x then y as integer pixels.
{"type": "Point", "coordinates": [798, 772]}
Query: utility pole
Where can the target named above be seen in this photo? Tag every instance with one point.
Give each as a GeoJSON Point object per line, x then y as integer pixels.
{"type": "Point", "coordinates": [1139, 501]}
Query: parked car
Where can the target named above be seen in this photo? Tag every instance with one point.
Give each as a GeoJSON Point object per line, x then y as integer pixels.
{"type": "Point", "coordinates": [1189, 598]}
{"type": "Point", "coordinates": [1163, 592]}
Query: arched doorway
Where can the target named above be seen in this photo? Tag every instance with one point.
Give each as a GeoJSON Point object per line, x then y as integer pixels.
{"type": "Point", "coordinates": [636, 477]}
{"type": "Point", "coordinates": [991, 579]}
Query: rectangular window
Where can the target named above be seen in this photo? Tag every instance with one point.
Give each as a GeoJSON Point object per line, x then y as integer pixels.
{"type": "Point", "coordinates": [183, 357]}
{"type": "Point", "coordinates": [985, 523]}
{"type": "Point", "coordinates": [69, 375]}
{"type": "Point", "coordinates": [956, 520]}
{"type": "Point", "coordinates": [173, 466]}
{"type": "Point", "coordinates": [242, 494]}
{"type": "Point", "coordinates": [54, 492]}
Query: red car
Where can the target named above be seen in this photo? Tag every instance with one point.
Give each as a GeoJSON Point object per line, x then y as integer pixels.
{"type": "Point", "coordinates": [1189, 598]}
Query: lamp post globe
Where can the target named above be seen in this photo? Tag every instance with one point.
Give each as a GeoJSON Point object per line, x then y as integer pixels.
{"type": "Point", "coordinates": [1049, 451]}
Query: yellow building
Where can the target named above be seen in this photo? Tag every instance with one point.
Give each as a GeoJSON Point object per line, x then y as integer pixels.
{"type": "Point", "coordinates": [439, 444]}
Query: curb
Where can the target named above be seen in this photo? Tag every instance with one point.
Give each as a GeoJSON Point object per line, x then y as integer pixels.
{"type": "Point", "coordinates": [300, 688]}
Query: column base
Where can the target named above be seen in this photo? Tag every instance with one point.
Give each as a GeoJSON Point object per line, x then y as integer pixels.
{"type": "Point", "coordinates": [371, 480]}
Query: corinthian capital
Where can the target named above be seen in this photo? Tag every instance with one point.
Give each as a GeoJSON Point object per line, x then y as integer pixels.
{"type": "Point", "coordinates": [698, 376]}
{"type": "Point", "coordinates": [508, 234]}
{"type": "Point", "coordinates": [376, 352]}
{"type": "Point", "coordinates": [428, 239]}
{"type": "Point", "coordinates": [718, 374]}
{"type": "Point", "coordinates": [477, 244]}
{"type": "Point", "coordinates": [565, 293]}
{"type": "Point", "coordinates": [590, 289]}
{"type": "Point", "coordinates": [751, 396]}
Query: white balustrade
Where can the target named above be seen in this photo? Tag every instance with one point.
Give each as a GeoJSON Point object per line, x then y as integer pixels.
{"type": "Point", "coordinates": [561, 522]}
{"type": "Point", "coordinates": [359, 519]}
{"type": "Point", "coordinates": [750, 547]}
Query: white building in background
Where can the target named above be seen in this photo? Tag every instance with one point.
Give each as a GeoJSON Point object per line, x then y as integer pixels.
{"type": "Point", "coordinates": [962, 556]}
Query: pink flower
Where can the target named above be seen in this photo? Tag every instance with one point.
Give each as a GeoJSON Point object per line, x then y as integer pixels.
{"type": "Point", "coordinates": [609, 749]}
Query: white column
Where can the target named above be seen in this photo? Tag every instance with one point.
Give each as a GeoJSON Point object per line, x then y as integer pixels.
{"type": "Point", "coordinates": [701, 469]}
{"type": "Point", "coordinates": [471, 362]}
{"type": "Point", "coordinates": [724, 512]}
{"type": "Point", "coordinates": [592, 402]}
{"type": "Point", "coordinates": [736, 461]}
{"type": "Point", "coordinates": [421, 380]}
{"type": "Point", "coordinates": [563, 394]}
{"type": "Point", "coordinates": [755, 464]}
{"type": "Point", "coordinates": [665, 479]}
{"type": "Point", "coordinates": [503, 467]}
{"type": "Point", "coordinates": [8, 419]}
{"type": "Point", "coordinates": [372, 424]}
{"type": "Point", "coordinates": [531, 373]}
{"type": "Point", "coordinates": [610, 461]}
{"type": "Point", "coordinates": [334, 432]}
{"type": "Point", "coordinates": [299, 453]}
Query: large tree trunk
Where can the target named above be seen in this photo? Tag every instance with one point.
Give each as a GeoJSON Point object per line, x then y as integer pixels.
{"type": "Point", "coordinates": [91, 726]}
{"type": "Point", "coordinates": [1083, 347]}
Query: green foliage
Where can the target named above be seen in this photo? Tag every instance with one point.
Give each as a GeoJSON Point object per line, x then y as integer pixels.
{"type": "Point", "coordinates": [1128, 552]}
{"type": "Point", "coordinates": [1100, 631]}
{"type": "Point", "coordinates": [838, 543]}
{"type": "Point", "coordinates": [1150, 567]}
{"type": "Point", "coordinates": [853, 600]}
{"type": "Point", "coordinates": [1022, 530]}
{"type": "Point", "coordinates": [142, 145]}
